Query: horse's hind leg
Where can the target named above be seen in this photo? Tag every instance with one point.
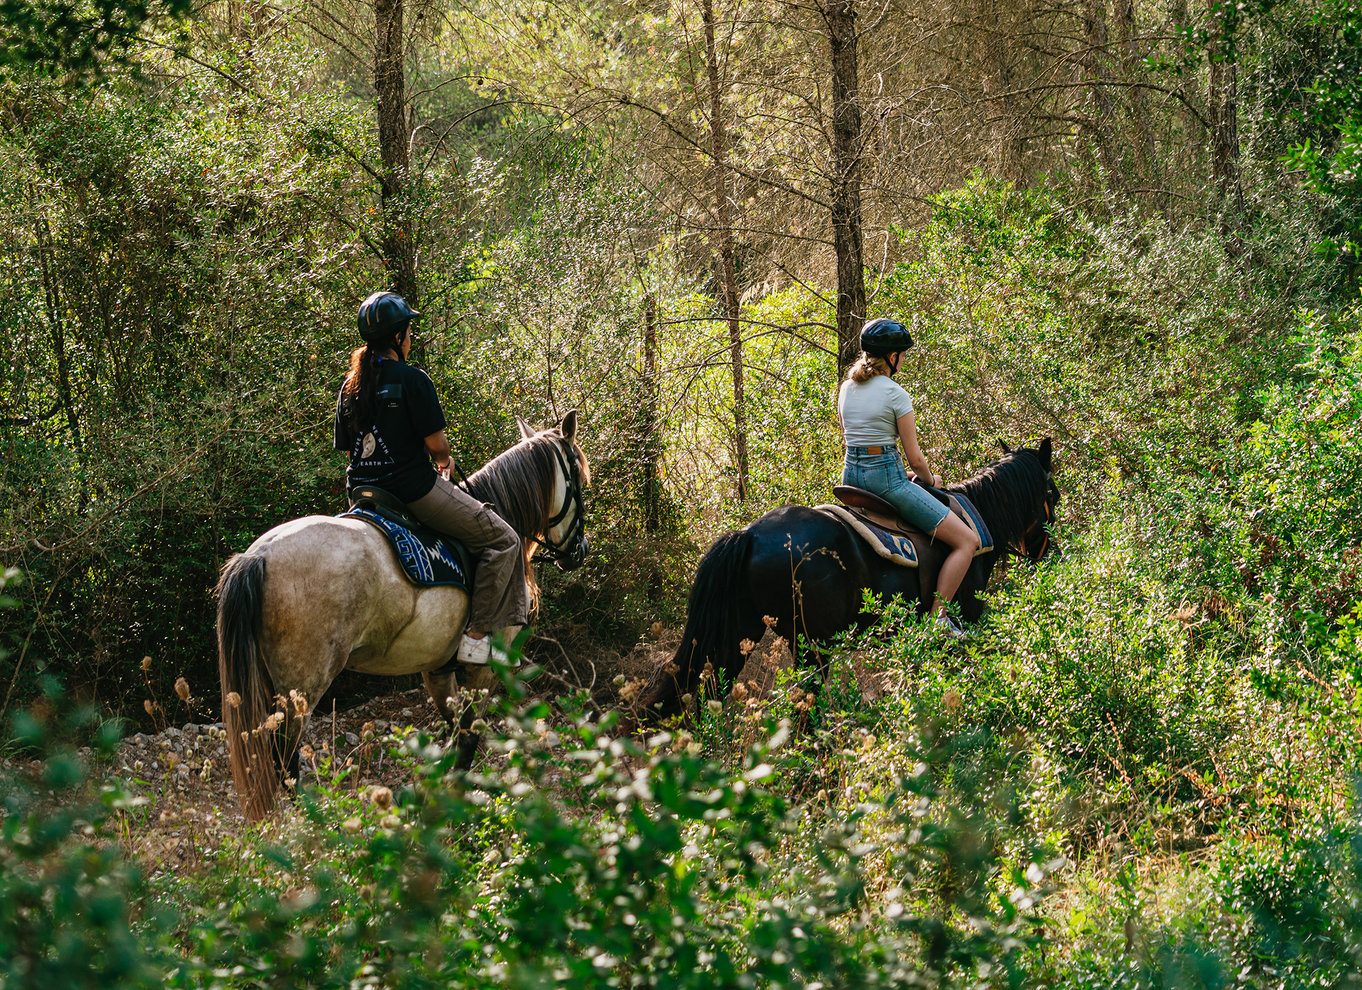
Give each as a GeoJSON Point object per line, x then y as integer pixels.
{"type": "Point", "coordinates": [440, 685]}
{"type": "Point", "coordinates": [477, 682]}
{"type": "Point", "coordinates": [460, 704]}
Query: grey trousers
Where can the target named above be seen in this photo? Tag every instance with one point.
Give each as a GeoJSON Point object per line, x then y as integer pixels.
{"type": "Point", "coordinates": [499, 595]}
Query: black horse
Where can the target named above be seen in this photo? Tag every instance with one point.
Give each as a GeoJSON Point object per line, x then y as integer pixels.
{"type": "Point", "coordinates": [808, 571]}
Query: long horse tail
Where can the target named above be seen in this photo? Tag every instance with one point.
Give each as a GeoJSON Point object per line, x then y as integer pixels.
{"type": "Point", "coordinates": [714, 627]}
{"type": "Point", "coordinates": [247, 690]}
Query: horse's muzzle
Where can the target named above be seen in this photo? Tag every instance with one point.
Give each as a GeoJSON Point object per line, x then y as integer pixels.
{"type": "Point", "coordinates": [575, 559]}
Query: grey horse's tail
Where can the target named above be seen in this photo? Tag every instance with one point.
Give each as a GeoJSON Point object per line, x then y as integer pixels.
{"type": "Point", "coordinates": [247, 691]}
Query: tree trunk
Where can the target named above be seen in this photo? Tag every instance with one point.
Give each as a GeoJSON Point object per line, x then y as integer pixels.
{"type": "Point", "coordinates": [652, 514]}
{"type": "Point", "coordinates": [840, 16]}
{"type": "Point", "coordinates": [1130, 70]}
{"type": "Point", "coordinates": [399, 248]}
{"type": "Point", "coordinates": [723, 233]}
{"type": "Point", "coordinates": [1002, 126]}
{"type": "Point", "coordinates": [1193, 142]}
{"type": "Point", "coordinates": [1099, 76]}
{"type": "Point", "coordinates": [1222, 104]}
{"type": "Point", "coordinates": [53, 304]}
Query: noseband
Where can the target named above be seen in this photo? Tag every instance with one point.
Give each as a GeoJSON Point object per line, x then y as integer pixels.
{"type": "Point", "coordinates": [570, 551]}
{"type": "Point", "coordinates": [1019, 547]}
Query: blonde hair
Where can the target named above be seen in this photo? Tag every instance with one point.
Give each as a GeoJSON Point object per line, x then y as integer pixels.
{"type": "Point", "coordinates": [866, 367]}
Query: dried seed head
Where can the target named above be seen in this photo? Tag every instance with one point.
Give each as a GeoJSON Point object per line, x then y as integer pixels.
{"type": "Point", "coordinates": [275, 720]}
{"type": "Point", "coordinates": [306, 752]}
{"type": "Point", "coordinates": [769, 620]}
{"type": "Point", "coordinates": [233, 699]}
{"type": "Point", "coordinates": [381, 796]}
{"type": "Point", "coordinates": [299, 703]}
{"type": "Point", "coordinates": [151, 709]}
{"type": "Point", "coordinates": [655, 629]}
{"type": "Point", "coordinates": [715, 706]}
{"type": "Point", "coordinates": [182, 688]}
{"type": "Point", "coordinates": [746, 647]}
{"type": "Point", "coordinates": [740, 691]}
{"type": "Point", "coordinates": [146, 663]}
{"type": "Point", "coordinates": [671, 670]}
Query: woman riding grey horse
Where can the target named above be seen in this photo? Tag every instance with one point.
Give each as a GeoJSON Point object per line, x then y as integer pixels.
{"type": "Point", "coordinates": [390, 424]}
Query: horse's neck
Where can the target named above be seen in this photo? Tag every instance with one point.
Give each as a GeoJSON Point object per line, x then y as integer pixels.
{"type": "Point", "coordinates": [1001, 526]}
{"type": "Point", "coordinates": [479, 486]}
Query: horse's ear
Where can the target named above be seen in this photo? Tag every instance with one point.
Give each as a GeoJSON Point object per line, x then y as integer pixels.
{"type": "Point", "coordinates": [1006, 448]}
{"type": "Point", "coordinates": [568, 427]}
{"type": "Point", "coordinates": [1045, 453]}
{"type": "Point", "coordinates": [524, 427]}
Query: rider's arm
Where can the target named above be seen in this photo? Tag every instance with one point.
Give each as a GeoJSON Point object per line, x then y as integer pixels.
{"type": "Point", "coordinates": [438, 446]}
{"type": "Point", "coordinates": [908, 437]}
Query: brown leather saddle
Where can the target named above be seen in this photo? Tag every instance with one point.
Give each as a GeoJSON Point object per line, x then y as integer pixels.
{"type": "Point", "coordinates": [877, 512]}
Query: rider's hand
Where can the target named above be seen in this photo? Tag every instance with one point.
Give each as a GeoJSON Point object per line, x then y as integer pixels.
{"type": "Point", "coordinates": [937, 482]}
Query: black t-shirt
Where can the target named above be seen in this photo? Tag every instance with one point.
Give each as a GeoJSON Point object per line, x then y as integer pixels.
{"type": "Point", "coordinates": [390, 453]}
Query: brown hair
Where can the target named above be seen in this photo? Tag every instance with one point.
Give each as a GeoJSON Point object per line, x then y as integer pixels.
{"type": "Point", "coordinates": [866, 367]}
{"type": "Point", "coordinates": [357, 394]}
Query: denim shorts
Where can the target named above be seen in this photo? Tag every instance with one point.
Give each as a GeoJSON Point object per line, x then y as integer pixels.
{"type": "Point", "coordinates": [884, 475]}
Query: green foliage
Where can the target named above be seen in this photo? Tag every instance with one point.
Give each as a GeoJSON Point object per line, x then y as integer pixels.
{"type": "Point", "coordinates": [583, 861]}
{"type": "Point", "coordinates": [54, 36]}
{"type": "Point", "coordinates": [1328, 148]}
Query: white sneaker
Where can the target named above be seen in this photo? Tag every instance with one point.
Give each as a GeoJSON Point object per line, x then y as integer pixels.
{"type": "Point", "coordinates": [477, 651]}
{"type": "Point", "coordinates": [948, 626]}
{"type": "Point", "coordinates": [480, 651]}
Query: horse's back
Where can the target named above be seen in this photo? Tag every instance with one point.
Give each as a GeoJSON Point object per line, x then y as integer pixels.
{"type": "Point", "coordinates": [811, 570]}
{"type": "Point", "coordinates": [336, 597]}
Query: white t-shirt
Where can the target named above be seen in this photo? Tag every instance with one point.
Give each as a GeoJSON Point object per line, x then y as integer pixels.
{"type": "Point", "coordinates": [870, 411]}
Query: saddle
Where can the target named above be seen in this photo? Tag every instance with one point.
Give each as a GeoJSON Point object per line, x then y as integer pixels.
{"type": "Point", "coordinates": [427, 558]}
{"type": "Point", "coordinates": [878, 522]}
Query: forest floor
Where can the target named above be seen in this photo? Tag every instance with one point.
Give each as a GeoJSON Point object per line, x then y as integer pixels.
{"type": "Point", "coordinates": [184, 806]}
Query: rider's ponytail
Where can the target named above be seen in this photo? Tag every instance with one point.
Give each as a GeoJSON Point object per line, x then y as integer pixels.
{"type": "Point", "coordinates": [866, 367]}
{"type": "Point", "coordinates": [357, 394]}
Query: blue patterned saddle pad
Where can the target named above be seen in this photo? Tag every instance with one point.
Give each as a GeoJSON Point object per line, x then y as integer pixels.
{"type": "Point", "coordinates": [894, 547]}
{"type": "Point", "coordinates": [427, 557]}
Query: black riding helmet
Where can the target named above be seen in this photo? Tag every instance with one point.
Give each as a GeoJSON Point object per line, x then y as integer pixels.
{"type": "Point", "coordinates": [883, 337]}
{"type": "Point", "coordinates": [382, 316]}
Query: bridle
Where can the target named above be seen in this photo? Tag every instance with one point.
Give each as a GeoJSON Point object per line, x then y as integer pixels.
{"type": "Point", "coordinates": [569, 552]}
{"type": "Point", "coordinates": [1019, 547]}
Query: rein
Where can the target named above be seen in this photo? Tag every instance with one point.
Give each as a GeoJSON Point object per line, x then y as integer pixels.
{"type": "Point", "coordinates": [570, 545]}
{"type": "Point", "coordinates": [1018, 546]}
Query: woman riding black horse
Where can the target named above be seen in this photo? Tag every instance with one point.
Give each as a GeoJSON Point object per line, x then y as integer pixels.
{"type": "Point", "coordinates": [876, 415]}
{"type": "Point", "coordinates": [808, 571]}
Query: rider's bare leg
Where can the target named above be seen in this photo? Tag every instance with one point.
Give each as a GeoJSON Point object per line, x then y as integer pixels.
{"type": "Point", "coordinates": [963, 543]}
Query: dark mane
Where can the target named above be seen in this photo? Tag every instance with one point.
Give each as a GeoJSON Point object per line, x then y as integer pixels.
{"type": "Point", "coordinates": [1005, 492]}
{"type": "Point", "coordinates": [519, 483]}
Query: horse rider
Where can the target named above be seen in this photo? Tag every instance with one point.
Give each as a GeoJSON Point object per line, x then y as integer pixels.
{"type": "Point", "coordinates": [390, 424]}
{"type": "Point", "coordinates": [876, 414]}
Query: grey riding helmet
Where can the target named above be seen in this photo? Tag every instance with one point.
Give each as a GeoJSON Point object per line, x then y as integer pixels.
{"type": "Point", "coordinates": [382, 315]}
{"type": "Point", "coordinates": [884, 336]}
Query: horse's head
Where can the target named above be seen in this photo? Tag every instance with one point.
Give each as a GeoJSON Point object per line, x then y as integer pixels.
{"type": "Point", "coordinates": [537, 487]}
{"type": "Point", "coordinates": [1034, 541]}
{"type": "Point", "coordinates": [564, 540]}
